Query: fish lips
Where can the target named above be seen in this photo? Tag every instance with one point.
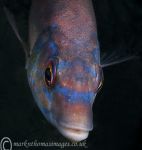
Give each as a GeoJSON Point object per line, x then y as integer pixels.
{"type": "Point", "coordinates": [73, 134]}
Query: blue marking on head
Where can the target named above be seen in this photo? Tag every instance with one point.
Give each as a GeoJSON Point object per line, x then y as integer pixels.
{"type": "Point", "coordinates": [74, 96]}
{"type": "Point", "coordinates": [96, 54]}
{"type": "Point", "coordinates": [44, 37]}
{"type": "Point", "coordinates": [95, 35]}
{"type": "Point", "coordinates": [45, 111]}
{"type": "Point", "coordinates": [65, 64]}
{"type": "Point", "coordinates": [31, 80]}
{"type": "Point", "coordinates": [53, 27]}
{"type": "Point", "coordinates": [54, 48]}
{"type": "Point", "coordinates": [52, 45]}
{"type": "Point", "coordinates": [47, 93]}
{"type": "Point", "coordinates": [91, 71]}
{"type": "Point", "coordinates": [39, 44]}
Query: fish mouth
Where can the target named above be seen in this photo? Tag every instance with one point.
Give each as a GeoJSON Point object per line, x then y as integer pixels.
{"type": "Point", "coordinates": [73, 134]}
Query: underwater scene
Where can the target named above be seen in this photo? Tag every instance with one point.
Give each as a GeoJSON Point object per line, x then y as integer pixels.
{"type": "Point", "coordinates": [102, 108]}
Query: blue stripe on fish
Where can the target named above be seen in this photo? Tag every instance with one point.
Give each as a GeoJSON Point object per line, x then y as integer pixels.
{"type": "Point", "coordinates": [54, 48]}
{"type": "Point", "coordinates": [74, 96]}
{"type": "Point", "coordinates": [64, 64]}
{"type": "Point", "coordinates": [96, 54]}
{"type": "Point", "coordinates": [53, 27]}
{"type": "Point", "coordinates": [47, 93]}
{"type": "Point", "coordinates": [44, 37]}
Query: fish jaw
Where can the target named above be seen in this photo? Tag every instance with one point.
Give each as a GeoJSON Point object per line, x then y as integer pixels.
{"type": "Point", "coordinates": [76, 124]}
{"type": "Point", "coordinates": [74, 120]}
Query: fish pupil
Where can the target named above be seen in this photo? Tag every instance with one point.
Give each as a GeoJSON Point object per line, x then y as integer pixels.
{"type": "Point", "coordinates": [48, 74]}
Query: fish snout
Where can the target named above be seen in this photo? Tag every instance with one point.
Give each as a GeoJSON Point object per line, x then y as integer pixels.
{"type": "Point", "coordinates": [73, 120]}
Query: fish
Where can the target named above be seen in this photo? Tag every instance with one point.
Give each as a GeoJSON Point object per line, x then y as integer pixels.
{"type": "Point", "coordinates": [63, 63]}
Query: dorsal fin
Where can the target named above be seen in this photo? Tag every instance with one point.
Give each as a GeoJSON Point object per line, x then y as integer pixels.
{"type": "Point", "coordinates": [12, 22]}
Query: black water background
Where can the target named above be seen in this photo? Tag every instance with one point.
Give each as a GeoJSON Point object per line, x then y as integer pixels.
{"type": "Point", "coordinates": [117, 108]}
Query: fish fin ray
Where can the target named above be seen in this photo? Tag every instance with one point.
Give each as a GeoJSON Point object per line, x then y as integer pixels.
{"type": "Point", "coordinates": [114, 59]}
{"type": "Point", "coordinates": [12, 22]}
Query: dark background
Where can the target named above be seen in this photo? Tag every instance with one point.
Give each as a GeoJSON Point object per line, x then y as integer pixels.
{"type": "Point", "coordinates": [118, 106]}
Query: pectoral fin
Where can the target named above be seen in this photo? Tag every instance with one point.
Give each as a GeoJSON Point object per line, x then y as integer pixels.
{"type": "Point", "coordinates": [12, 22]}
{"type": "Point", "coordinates": [115, 58]}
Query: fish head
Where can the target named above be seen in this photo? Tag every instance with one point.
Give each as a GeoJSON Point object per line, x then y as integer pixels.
{"type": "Point", "coordinates": [75, 91]}
{"type": "Point", "coordinates": [65, 88]}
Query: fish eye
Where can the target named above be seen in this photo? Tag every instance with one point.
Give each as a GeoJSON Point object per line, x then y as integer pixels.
{"type": "Point", "coordinates": [50, 73]}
